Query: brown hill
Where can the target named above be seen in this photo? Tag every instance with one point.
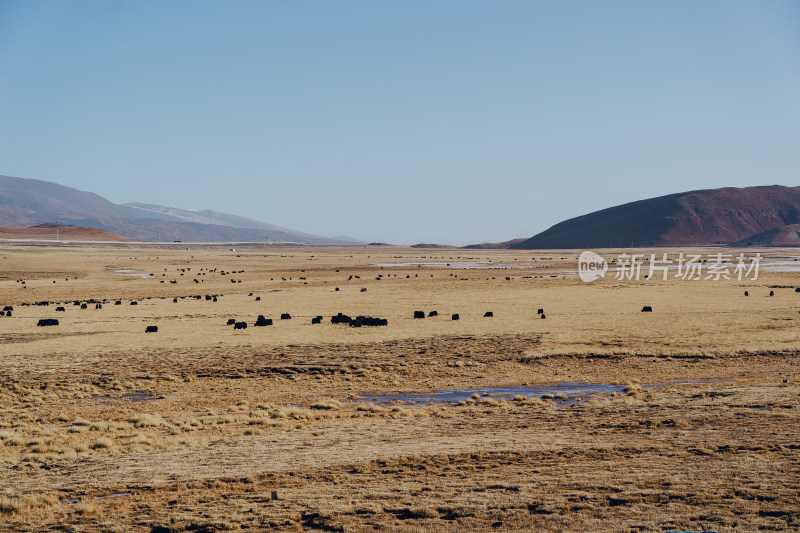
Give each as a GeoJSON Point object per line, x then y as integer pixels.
{"type": "Point", "coordinates": [431, 245]}
{"type": "Point", "coordinates": [52, 232]}
{"type": "Point", "coordinates": [494, 245]}
{"type": "Point", "coordinates": [712, 216]}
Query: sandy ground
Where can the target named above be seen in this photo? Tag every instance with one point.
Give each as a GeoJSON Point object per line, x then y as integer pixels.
{"type": "Point", "coordinates": [200, 427]}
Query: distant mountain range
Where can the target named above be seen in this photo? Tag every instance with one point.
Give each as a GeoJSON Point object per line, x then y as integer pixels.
{"type": "Point", "coordinates": [29, 202]}
{"type": "Point", "coordinates": [712, 216]}
{"type": "Point", "coordinates": [765, 216]}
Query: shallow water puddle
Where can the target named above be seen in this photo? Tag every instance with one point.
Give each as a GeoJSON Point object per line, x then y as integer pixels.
{"type": "Point", "coordinates": [131, 273]}
{"type": "Point", "coordinates": [566, 391]}
{"type": "Point", "coordinates": [115, 495]}
{"type": "Point", "coordinates": [135, 396]}
{"type": "Point", "coordinates": [463, 265]}
{"type": "Point", "coordinates": [782, 266]}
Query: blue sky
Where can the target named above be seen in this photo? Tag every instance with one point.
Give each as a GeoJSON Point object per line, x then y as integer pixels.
{"type": "Point", "coordinates": [447, 121]}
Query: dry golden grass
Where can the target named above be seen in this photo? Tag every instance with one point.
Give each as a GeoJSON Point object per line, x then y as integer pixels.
{"type": "Point", "coordinates": [25, 502]}
{"type": "Point", "coordinates": [195, 426]}
{"type": "Point", "coordinates": [146, 420]}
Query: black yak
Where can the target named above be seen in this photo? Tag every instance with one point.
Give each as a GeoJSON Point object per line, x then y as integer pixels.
{"type": "Point", "coordinates": [261, 321]}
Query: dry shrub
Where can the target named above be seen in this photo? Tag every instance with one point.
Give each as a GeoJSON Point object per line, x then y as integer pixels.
{"type": "Point", "coordinates": [295, 413]}
{"type": "Point", "coordinates": [43, 448]}
{"type": "Point", "coordinates": [370, 408]}
{"type": "Point", "coordinates": [102, 442]}
{"type": "Point", "coordinates": [42, 458]}
{"type": "Point", "coordinates": [68, 453]}
{"type": "Point", "coordinates": [87, 509]}
{"type": "Point", "coordinates": [258, 419]}
{"type": "Point", "coordinates": [398, 411]}
{"type": "Point", "coordinates": [145, 420]}
{"type": "Point", "coordinates": [536, 401]}
{"type": "Point", "coordinates": [222, 419]}
{"type": "Point", "coordinates": [632, 389]}
{"type": "Point", "coordinates": [422, 512]}
{"type": "Point", "coordinates": [326, 404]}
{"type": "Point", "coordinates": [140, 439]}
{"type": "Point", "coordinates": [189, 422]}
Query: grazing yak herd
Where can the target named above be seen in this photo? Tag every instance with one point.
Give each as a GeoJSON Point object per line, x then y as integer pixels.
{"type": "Point", "coordinates": [340, 318]}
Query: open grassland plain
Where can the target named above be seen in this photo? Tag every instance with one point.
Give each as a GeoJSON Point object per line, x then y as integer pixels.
{"type": "Point", "coordinates": [688, 418]}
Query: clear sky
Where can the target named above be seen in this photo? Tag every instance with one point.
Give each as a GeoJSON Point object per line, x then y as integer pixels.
{"type": "Point", "coordinates": [408, 121]}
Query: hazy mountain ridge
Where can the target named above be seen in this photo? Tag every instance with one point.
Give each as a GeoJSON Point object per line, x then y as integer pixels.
{"type": "Point", "coordinates": [788, 235]}
{"type": "Point", "coordinates": [28, 202]}
{"type": "Point", "coordinates": [205, 216]}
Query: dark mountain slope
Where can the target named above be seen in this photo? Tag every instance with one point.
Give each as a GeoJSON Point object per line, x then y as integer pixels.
{"type": "Point", "coordinates": [711, 216]}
